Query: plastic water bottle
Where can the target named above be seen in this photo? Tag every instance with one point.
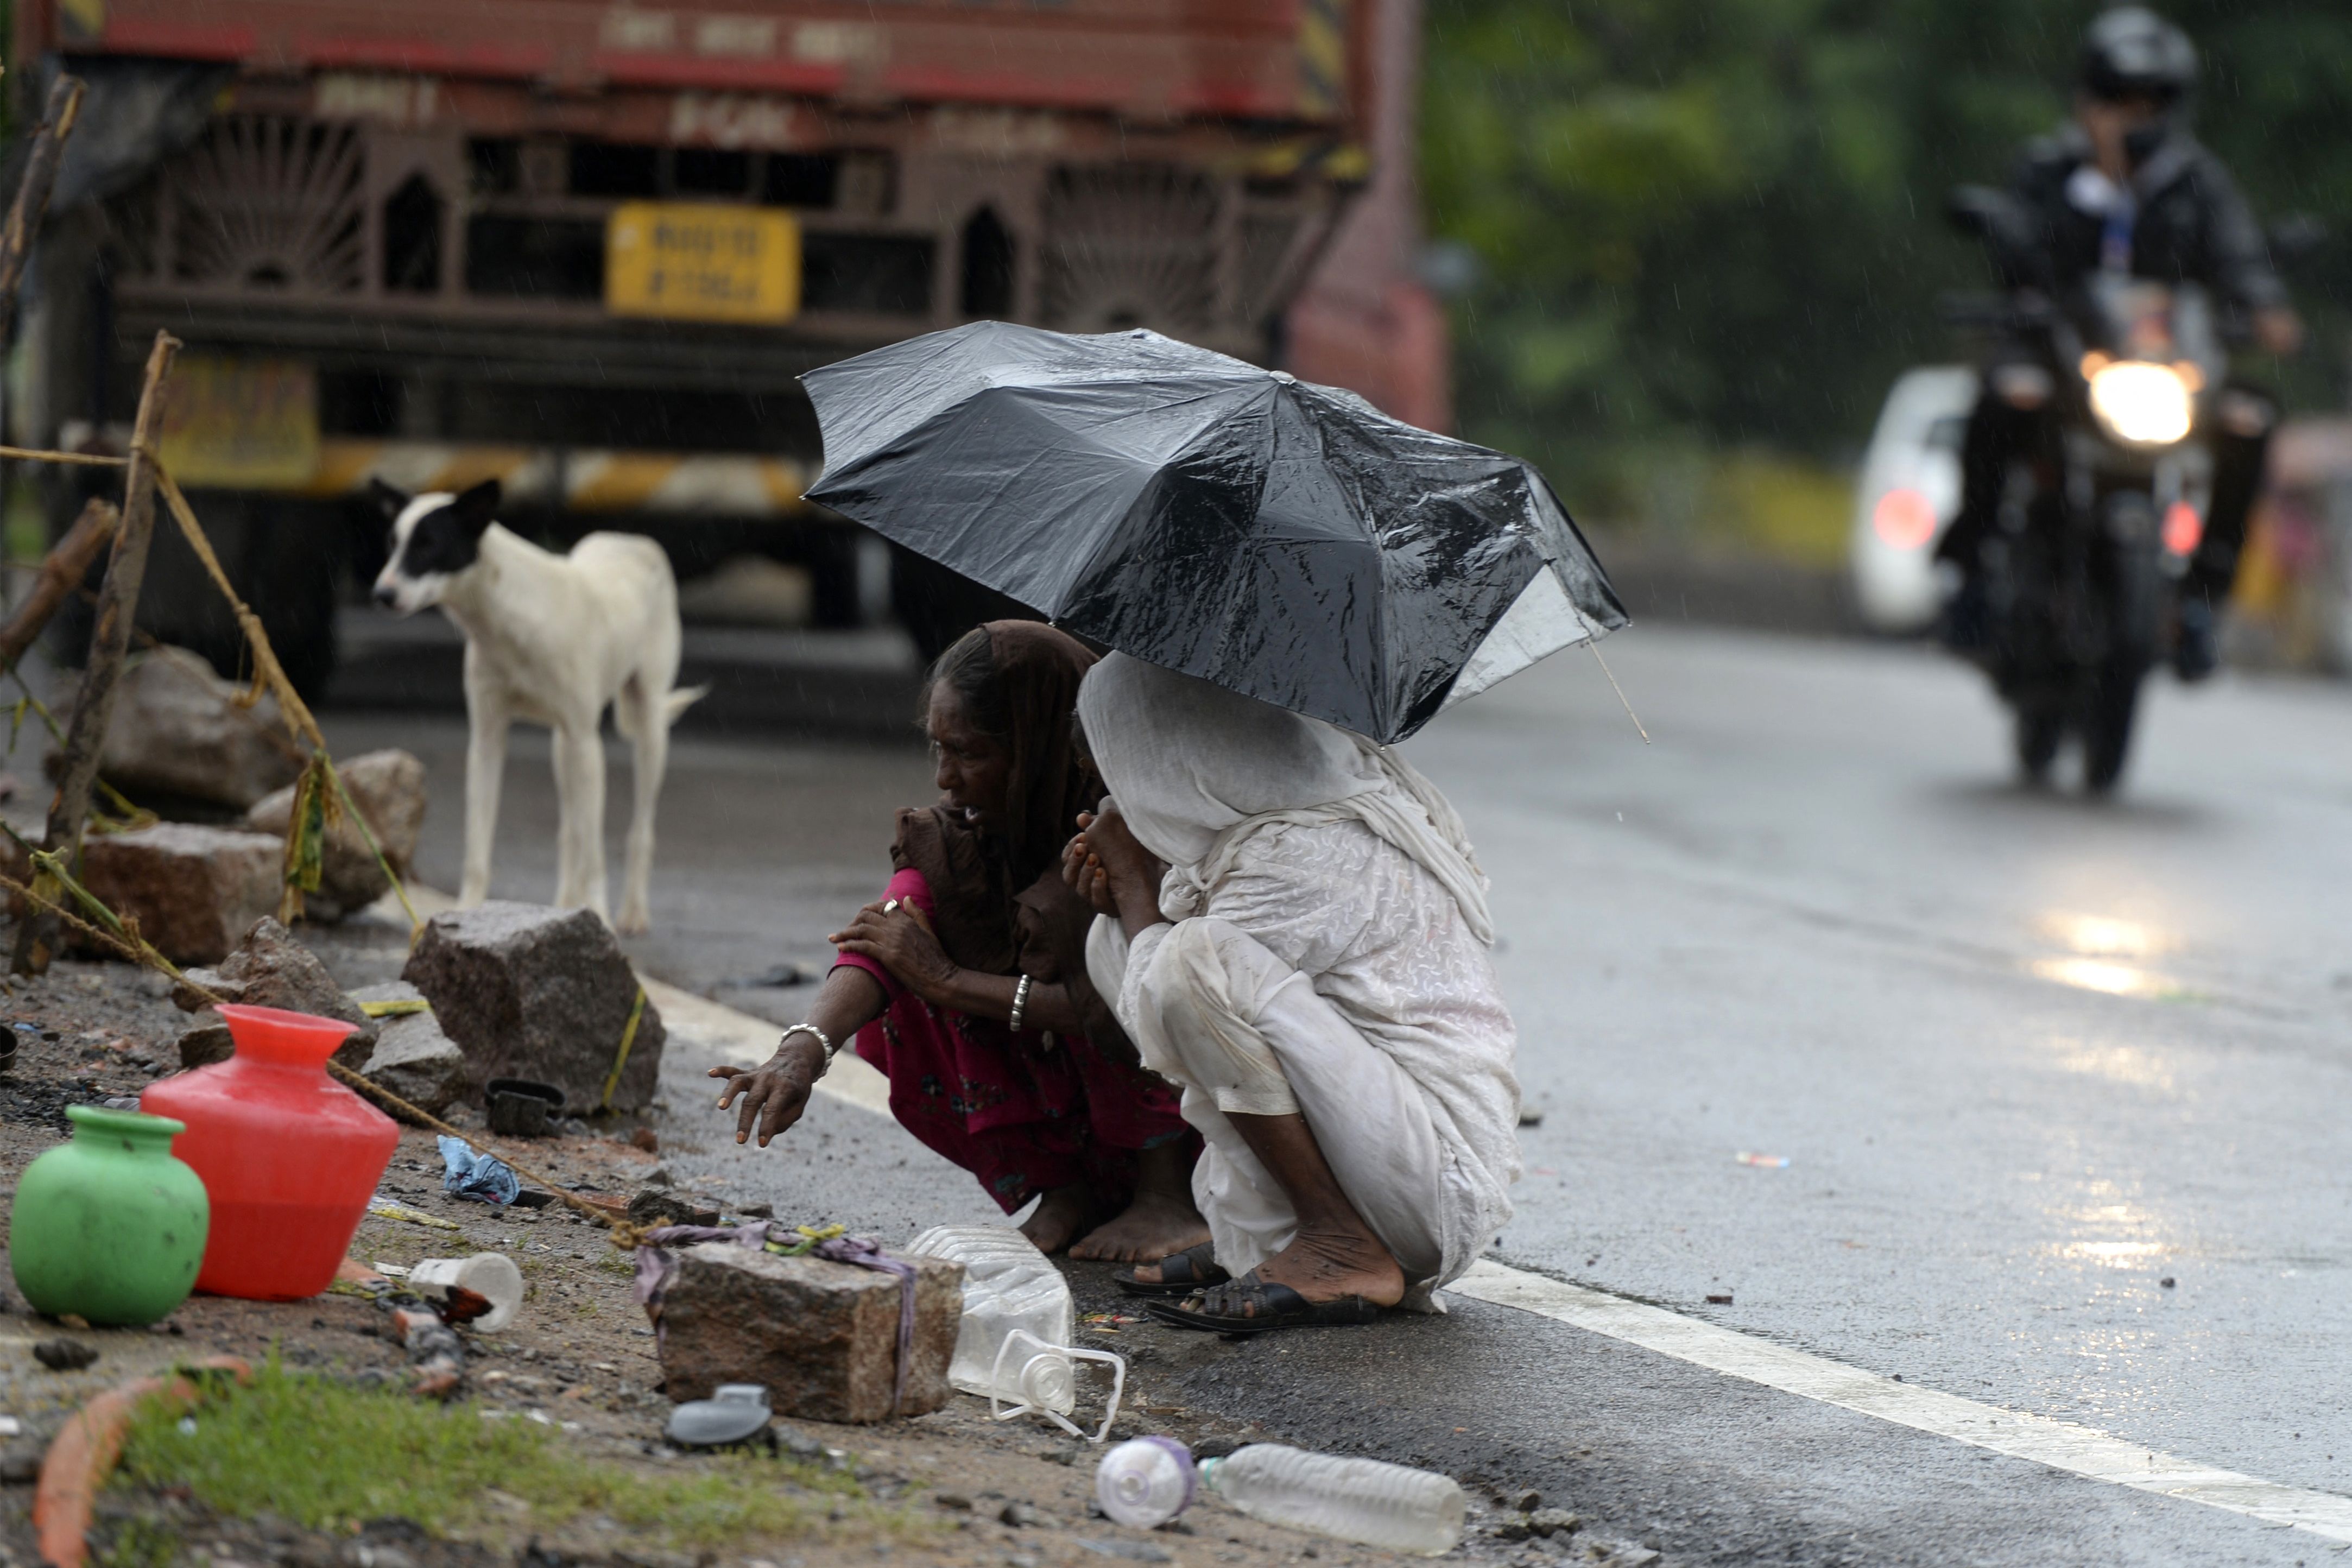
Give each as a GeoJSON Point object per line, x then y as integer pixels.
{"type": "Point", "coordinates": [1146, 1481]}
{"type": "Point", "coordinates": [1008, 1283]}
{"type": "Point", "coordinates": [1351, 1500]}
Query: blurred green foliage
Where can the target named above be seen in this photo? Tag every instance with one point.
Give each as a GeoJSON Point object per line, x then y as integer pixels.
{"type": "Point", "coordinates": [1715, 226]}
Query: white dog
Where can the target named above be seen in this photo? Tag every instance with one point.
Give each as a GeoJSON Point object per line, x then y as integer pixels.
{"type": "Point", "coordinates": [549, 639]}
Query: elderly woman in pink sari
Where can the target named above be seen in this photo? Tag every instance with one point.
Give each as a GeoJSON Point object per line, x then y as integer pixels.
{"type": "Point", "coordinates": [966, 983]}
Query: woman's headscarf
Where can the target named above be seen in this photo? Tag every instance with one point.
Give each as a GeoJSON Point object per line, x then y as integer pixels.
{"type": "Point", "coordinates": [1195, 769]}
{"type": "Point", "coordinates": [977, 882]}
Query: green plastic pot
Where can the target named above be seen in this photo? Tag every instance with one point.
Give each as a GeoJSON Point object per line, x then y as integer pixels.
{"type": "Point", "coordinates": [109, 1226]}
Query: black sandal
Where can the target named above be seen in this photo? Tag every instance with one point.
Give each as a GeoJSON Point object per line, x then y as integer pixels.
{"type": "Point", "coordinates": [1185, 1273]}
{"type": "Point", "coordinates": [1220, 1310]}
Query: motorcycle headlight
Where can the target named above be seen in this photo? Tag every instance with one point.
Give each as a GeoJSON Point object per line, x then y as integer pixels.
{"type": "Point", "coordinates": [2141, 403]}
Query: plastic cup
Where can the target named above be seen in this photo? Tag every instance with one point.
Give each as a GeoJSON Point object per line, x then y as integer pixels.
{"type": "Point", "coordinates": [489, 1275]}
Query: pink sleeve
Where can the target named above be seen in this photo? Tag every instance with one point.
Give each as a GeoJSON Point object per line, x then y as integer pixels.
{"type": "Point", "coordinates": [909, 884]}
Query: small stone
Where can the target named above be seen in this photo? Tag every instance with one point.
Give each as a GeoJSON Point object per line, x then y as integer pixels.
{"type": "Point", "coordinates": [65, 1355]}
{"type": "Point", "coordinates": [388, 787]}
{"type": "Point", "coordinates": [1017, 1514]}
{"type": "Point", "coordinates": [540, 994]}
{"type": "Point", "coordinates": [269, 968]}
{"type": "Point", "coordinates": [2167, 1282]}
{"type": "Point", "coordinates": [646, 1138]}
{"type": "Point", "coordinates": [20, 1469]}
{"type": "Point", "coordinates": [193, 890]}
{"type": "Point", "coordinates": [1527, 1501]}
{"type": "Point", "coordinates": [1718, 1298]}
{"type": "Point", "coordinates": [650, 1207]}
{"type": "Point", "coordinates": [646, 1557]}
{"type": "Point", "coordinates": [1513, 1528]}
{"type": "Point", "coordinates": [178, 729]}
{"type": "Point", "coordinates": [954, 1500]}
{"type": "Point", "coordinates": [757, 1211]}
{"type": "Point", "coordinates": [822, 1337]}
{"type": "Point", "coordinates": [412, 1058]}
{"type": "Point", "coordinates": [1551, 1521]}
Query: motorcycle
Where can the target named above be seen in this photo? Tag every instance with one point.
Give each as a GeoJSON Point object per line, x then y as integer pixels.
{"type": "Point", "coordinates": [2094, 533]}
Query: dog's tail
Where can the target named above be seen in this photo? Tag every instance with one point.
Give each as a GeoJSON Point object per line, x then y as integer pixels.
{"type": "Point", "coordinates": [679, 700]}
{"type": "Point", "coordinates": [673, 703]}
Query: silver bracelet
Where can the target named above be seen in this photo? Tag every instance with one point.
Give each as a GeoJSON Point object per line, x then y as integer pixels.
{"type": "Point", "coordinates": [823, 1039]}
{"type": "Point", "coordinates": [1019, 1002]}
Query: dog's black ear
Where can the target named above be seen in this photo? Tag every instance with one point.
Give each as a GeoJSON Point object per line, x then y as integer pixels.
{"type": "Point", "coordinates": [393, 499]}
{"type": "Point", "coordinates": [475, 509]}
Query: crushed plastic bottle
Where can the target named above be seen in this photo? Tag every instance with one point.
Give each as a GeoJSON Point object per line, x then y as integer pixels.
{"type": "Point", "coordinates": [1351, 1500]}
{"type": "Point", "coordinates": [1008, 1283]}
{"type": "Point", "coordinates": [1146, 1481]}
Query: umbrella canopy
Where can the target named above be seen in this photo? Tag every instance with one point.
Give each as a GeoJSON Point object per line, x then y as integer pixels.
{"type": "Point", "coordinates": [1282, 540]}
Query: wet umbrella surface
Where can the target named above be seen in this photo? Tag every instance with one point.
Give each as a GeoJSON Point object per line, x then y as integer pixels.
{"type": "Point", "coordinates": [1281, 539]}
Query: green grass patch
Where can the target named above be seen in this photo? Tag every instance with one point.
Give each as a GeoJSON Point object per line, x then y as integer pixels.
{"type": "Point", "coordinates": [326, 1455]}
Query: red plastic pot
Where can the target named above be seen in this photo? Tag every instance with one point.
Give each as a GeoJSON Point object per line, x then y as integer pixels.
{"type": "Point", "coordinates": [288, 1156]}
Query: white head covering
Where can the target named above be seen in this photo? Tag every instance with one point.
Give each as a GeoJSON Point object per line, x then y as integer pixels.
{"type": "Point", "coordinates": [1196, 769]}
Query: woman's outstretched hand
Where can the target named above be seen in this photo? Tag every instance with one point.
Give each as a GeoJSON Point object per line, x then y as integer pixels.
{"type": "Point", "coordinates": [900, 941]}
{"type": "Point", "coordinates": [774, 1093]}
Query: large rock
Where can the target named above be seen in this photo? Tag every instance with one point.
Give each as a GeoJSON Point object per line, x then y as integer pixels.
{"type": "Point", "coordinates": [269, 969]}
{"type": "Point", "coordinates": [176, 730]}
{"type": "Point", "coordinates": [823, 1336]}
{"type": "Point", "coordinates": [193, 890]}
{"type": "Point", "coordinates": [412, 1058]}
{"type": "Point", "coordinates": [388, 787]}
{"type": "Point", "coordinates": [531, 992]}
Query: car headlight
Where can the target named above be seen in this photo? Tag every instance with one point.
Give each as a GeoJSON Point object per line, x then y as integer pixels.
{"type": "Point", "coordinates": [2141, 403]}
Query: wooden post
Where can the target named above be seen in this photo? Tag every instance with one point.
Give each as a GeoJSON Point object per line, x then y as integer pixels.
{"type": "Point", "coordinates": [118, 604]}
{"type": "Point", "coordinates": [62, 571]}
{"type": "Point", "coordinates": [33, 195]}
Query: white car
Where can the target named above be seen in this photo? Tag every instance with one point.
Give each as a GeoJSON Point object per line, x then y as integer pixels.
{"type": "Point", "coordinates": [1909, 493]}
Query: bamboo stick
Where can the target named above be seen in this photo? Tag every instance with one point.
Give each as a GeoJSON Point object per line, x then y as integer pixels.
{"type": "Point", "coordinates": [23, 225]}
{"type": "Point", "coordinates": [117, 606]}
{"type": "Point", "coordinates": [62, 571]}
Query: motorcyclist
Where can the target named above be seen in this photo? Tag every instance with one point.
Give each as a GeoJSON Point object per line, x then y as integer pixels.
{"type": "Point", "coordinates": [2126, 187]}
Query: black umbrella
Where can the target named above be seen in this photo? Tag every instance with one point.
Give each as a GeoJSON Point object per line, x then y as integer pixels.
{"type": "Point", "coordinates": [1280, 538]}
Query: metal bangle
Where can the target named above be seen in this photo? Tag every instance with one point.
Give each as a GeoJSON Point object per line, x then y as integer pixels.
{"type": "Point", "coordinates": [823, 1039]}
{"type": "Point", "coordinates": [1019, 1002]}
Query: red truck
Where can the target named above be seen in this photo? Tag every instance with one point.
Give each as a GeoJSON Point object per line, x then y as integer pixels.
{"type": "Point", "coordinates": [586, 247]}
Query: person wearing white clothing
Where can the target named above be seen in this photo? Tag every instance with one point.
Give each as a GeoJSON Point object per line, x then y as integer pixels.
{"type": "Point", "coordinates": [1308, 960]}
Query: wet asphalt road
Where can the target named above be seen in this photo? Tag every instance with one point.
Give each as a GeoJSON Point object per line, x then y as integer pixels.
{"type": "Point", "coordinates": [2027, 1058]}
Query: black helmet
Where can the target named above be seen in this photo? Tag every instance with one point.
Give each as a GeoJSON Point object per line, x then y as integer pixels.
{"type": "Point", "coordinates": [2132, 52]}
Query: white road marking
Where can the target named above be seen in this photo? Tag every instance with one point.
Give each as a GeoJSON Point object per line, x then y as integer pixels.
{"type": "Point", "coordinates": [2061, 1444]}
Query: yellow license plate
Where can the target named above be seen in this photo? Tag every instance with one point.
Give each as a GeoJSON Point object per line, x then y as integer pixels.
{"type": "Point", "coordinates": [693, 263]}
{"type": "Point", "coordinates": [241, 424]}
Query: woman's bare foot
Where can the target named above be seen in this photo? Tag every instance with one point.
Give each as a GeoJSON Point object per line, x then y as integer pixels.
{"type": "Point", "coordinates": [1060, 1216]}
{"type": "Point", "coordinates": [1161, 1221]}
{"type": "Point", "coordinates": [1155, 1226]}
{"type": "Point", "coordinates": [1324, 1266]}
